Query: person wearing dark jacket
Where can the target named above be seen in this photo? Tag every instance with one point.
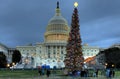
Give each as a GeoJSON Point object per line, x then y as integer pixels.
{"type": "Point", "coordinates": [48, 73]}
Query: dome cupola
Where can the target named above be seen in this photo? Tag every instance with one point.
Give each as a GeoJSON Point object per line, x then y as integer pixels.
{"type": "Point", "coordinates": [57, 26]}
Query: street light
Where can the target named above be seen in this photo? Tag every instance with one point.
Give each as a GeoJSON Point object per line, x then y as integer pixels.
{"type": "Point", "coordinates": [8, 65]}
{"type": "Point", "coordinates": [13, 63]}
{"type": "Point", "coordinates": [106, 65]}
{"type": "Point", "coordinates": [113, 65]}
{"type": "Point", "coordinates": [26, 61]}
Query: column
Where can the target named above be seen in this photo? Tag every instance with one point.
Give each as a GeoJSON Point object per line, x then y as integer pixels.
{"type": "Point", "coordinates": [52, 52]}
{"type": "Point", "coordinates": [64, 52]}
{"type": "Point", "coordinates": [46, 55]}
{"type": "Point", "coordinates": [60, 52]}
{"type": "Point", "coordinates": [56, 51]}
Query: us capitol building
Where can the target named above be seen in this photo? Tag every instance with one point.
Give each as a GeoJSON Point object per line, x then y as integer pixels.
{"type": "Point", "coordinates": [52, 51]}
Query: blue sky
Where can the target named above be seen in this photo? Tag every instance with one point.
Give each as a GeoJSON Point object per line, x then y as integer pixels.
{"type": "Point", "coordinates": [24, 21]}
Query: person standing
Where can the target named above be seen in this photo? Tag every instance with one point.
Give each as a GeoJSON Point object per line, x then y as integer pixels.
{"type": "Point", "coordinates": [39, 70]}
{"type": "Point", "coordinates": [110, 74]}
{"type": "Point", "coordinates": [48, 73]}
{"type": "Point", "coordinates": [42, 71]}
{"type": "Point", "coordinates": [107, 73]}
{"type": "Point", "coordinates": [113, 73]}
{"type": "Point", "coordinates": [96, 72]}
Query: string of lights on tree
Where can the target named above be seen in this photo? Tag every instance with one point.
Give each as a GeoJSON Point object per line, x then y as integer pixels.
{"type": "Point", "coordinates": [74, 57]}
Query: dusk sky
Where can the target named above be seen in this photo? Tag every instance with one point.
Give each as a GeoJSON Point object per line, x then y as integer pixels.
{"type": "Point", "coordinates": [25, 21]}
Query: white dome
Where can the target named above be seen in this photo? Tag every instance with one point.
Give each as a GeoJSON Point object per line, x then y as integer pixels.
{"type": "Point", "coordinates": [57, 23]}
{"type": "Point", "coordinates": [57, 29]}
{"type": "Point", "coordinates": [57, 20]}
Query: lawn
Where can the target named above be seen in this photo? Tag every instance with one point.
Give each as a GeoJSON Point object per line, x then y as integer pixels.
{"type": "Point", "coordinates": [33, 74]}
{"type": "Point", "coordinates": [18, 73]}
{"type": "Point", "coordinates": [24, 73]}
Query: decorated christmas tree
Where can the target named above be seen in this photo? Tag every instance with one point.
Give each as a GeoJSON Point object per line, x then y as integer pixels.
{"type": "Point", "coordinates": [74, 57]}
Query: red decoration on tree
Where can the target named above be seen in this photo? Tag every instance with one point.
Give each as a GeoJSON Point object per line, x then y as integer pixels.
{"type": "Point", "coordinates": [74, 58]}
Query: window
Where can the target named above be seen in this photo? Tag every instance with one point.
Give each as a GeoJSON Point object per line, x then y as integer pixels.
{"type": "Point", "coordinates": [61, 58]}
{"type": "Point", "coordinates": [54, 56]}
{"type": "Point", "coordinates": [62, 47]}
{"type": "Point", "coordinates": [92, 54]}
{"type": "Point", "coordinates": [48, 49]}
{"type": "Point", "coordinates": [88, 54]}
{"type": "Point", "coordinates": [54, 52]}
{"type": "Point", "coordinates": [48, 55]}
{"type": "Point", "coordinates": [61, 51]}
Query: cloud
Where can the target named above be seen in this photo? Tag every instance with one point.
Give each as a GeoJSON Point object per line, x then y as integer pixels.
{"type": "Point", "coordinates": [25, 21]}
{"type": "Point", "coordinates": [101, 29]}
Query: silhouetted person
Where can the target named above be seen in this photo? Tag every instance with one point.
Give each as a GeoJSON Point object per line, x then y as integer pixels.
{"type": "Point", "coordinates": [82, 73]}
{"type": "Point", "coordinates": [96, 72]}
{"type": "Point", "coordinates": [74, 73]}
{"type": "Point", "coordinates": [113, 73]}
{"type": "Point", "coordinates": [40, 72]}
{"type": "Point", "coordinates": [110, 74]}
{"type": "Point", "coordinates": [48, 73]}
{"type": "Point", "coordinates": [43, 72]}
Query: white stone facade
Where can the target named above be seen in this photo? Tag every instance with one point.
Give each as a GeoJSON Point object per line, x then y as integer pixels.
{"type": "Point", "coordinates": [7, 51]}
{"type": "Point", "coordinates": [4, 49]}
{"type": "Point", "coordinates": [89, 51]}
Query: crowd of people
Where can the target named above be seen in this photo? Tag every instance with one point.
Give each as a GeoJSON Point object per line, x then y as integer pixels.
{"type": "Point", "coordinates": [109, 73]}
{"type": "Point", "coordinates": [84, 73]}
{"type": "Point", "coordinates": [44, 71]}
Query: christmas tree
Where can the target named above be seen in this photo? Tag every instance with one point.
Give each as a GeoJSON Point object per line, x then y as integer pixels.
{"type": "Point", "coordinates": [74, 57]}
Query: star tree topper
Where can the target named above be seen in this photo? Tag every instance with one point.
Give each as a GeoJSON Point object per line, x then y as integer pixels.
{"type": "Point", "coordinates": [76, 4]}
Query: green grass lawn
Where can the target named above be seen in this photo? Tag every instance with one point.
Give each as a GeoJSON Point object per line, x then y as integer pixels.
{"type": "Point", "coordinates": [24, 73]}
{"type": "Point", "coordinates": [33, 74]}
{"type": "Point", "coordinates": [117, 73]}
{"type": "Point", "coordinates": [18, 73]}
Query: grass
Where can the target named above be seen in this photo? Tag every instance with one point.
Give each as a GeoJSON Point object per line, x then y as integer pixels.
{"type": "Point", "coordinates": [117, 73]}
{"type": "Point", "coordinates": [18, 73]}
{"type": "Point", "coordinates": [33, 74]}
{"type": "Point", "coordinates": [23, 73]}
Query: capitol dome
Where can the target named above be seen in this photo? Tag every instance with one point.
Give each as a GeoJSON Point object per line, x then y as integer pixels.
{"type": "Point", "coordinates": [57, 29]}
{"type": "Point", "coordinates": [57, 20]}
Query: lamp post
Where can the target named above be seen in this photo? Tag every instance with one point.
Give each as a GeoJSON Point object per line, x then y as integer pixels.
{"type": "Point", "coordinates": [113, 65]}
{"type": "Point", "coordinates": [13, 64]}
{"type": "Point", "coordinates": [106, 65]}
{"type": "Point", "coordinates": [26, 61]}
{"type": "Point", "coordinates": [8, 65]}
